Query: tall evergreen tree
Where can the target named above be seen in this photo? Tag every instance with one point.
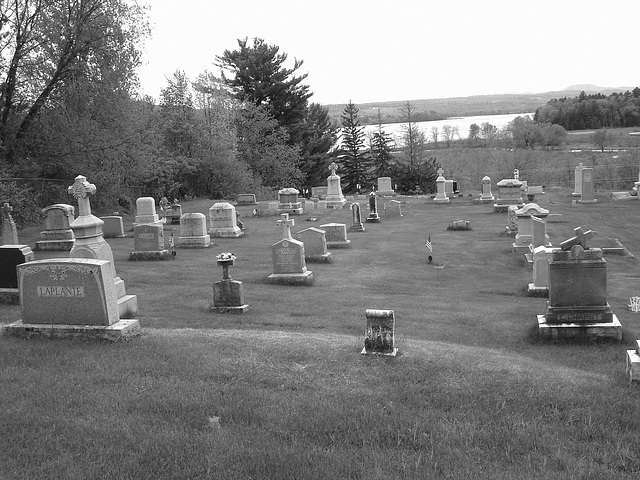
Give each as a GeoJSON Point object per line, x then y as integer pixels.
{"type": "Point", "coordinates": [353, 156]}
{"type": "Point", "coordinates": [317, 147]}
{"type": "Point", "coordinates": [381, 143]}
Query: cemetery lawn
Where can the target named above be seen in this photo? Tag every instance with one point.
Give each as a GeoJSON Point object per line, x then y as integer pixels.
{"type": "Point", "coordinates": [283, 392]}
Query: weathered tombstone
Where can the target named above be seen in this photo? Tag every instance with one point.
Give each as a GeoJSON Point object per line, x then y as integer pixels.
{"type": "Point", "coordinates": [10, 257]}
{"type": "Point", "coordinates": [524, 235]}
{"type": "Point", "coordinates": [70, 297]}
{"type": "Point", "coordinates": [90, 243]}
{"type": "Point", "coordinates": [113, 227]}
{"type": "Point", "coordinates": [587, 195]}
{"type": "Point", "coordinates": [57, 234]}
{"type": "Point", "coordinates": [393, 208]}
{"type": "Point", "coordinates": [315, 245]}
{"type": "Point", "coordinates": [165, 206]}
{"type": "Point", "coordinates": [577, 191]}
{"type": "Point", "coordinates": [228, 294]}
{"type": "Point", "coordinates": [373, 216]}
{"type": "Point", "coordinates": [193, 231]}
{"type": "Point", "coordinates": [9, 230]}
{"type": "Point", "coordinates": [288, 201]}
{"type": "Point", "coordinates": [224, 222]}
{"type": "Point", "coordinates": [148, 243]}
{"type": "Point", "coordinates": [319, 193]}
{"type": "Point", "coordinates": [335, 199]}
{"type": "Point", "coordinates": [246, 199]}
{"type": "Point", "coordinates": [356, 223]}
{"type": "Point", "coordinates": [509, 193]}
{"type": "Point", "coordinates": [460, 225]}
{"type": "Point", "coordinates": [577, 306]}
{"type": "Point", "coordinates": [441, 196]}
{"type": "Point", "coordinates": [379, 334]}
{"type": "Point", "coordinates": [512, 220]}
{"type": "Point", "coordinates": [486, 196]}
{"type": "Point", "coordinates": [336, 234]}
{"type": "Point", "coordinates": [449, 188]}
{"type": "Point", "coordinates": [174, 213]}
{"type": "Point", "coordinates": [146, 212]}
{"type": "Point", "coordinates": [384, 186]}
{"type": "Point", "coordinates": [289, 266]}
{"type": "Point", "coordinates": [539, 237]}
{"type": "Point", "coordinates": [541, 256]}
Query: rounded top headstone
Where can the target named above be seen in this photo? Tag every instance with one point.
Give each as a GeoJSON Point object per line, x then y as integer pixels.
{"type": "Point", "coordinates": [486, 179]}
{"type": "Point", "coordinates": [145, 206]}
{"type": "Point", "coordinates": [222, 206]}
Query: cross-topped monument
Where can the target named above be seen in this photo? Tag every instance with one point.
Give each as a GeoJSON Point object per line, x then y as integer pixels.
{"type": "Point", "coordinates": [440, 172]}
{"type": "Point", "coordinates": [516, 174]}
{"type": "Point", "coordinates": [6, 211]}
{"type": "Point", "coordinates": [9, 231]}
{"type": "Point", "coordinates": [80, 189]}
{"type": "Point", "coordinates": [580, 238]}
{"type": "Point", "coordinates": [286, 223]}
{"type": "Point", "coordinates": [333, 167]}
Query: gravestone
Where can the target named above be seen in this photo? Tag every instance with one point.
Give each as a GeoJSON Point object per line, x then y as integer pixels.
{"type": "Point", "coordinates": [288, 201]}
{"type": "Point", "coordinates": [577, 191]}
{"type": "Point", "coordinates": [224, 222]}
{"type": "Point", "coordinates": [315, 245]}
{"type": "Point", "coordinates": [525, 229]}
{"type": "Point", "coordinates": [10, 257]}
{"type": "Point", "coordinates": [541, 256]}
{"type": "Point", "coordinates": [587, 195]}
{"type": "Point", "coordinates": [393, 208]}
{"type": "Point", "coordinates": [319, 193]}
{"type": "Point", "coordinates": [57, 234]}
{"type": "Point", "coordinates": [70, 297]}
{"type": "Point", "coordinates": [165, 207]}
{"type": "Point", "coordinates": [509, 193]}
{"type": "Point", "coordinates": [633, 363]}
{"type": "Point", "coordinates": [90, 243]}
{"type": "Point", "coordinates": [246, 199]}
{"type": "Point", "coordinates": [379, 336]}
{"type": "Point", "coordinates": [512, 220]}
{"type": "Point", "coordinates": [228, 294]}
{"type": "Point", "coordinates": [9, 230]}
{"type": "Point", "coordinates": [539, 237]}
{"type": "Point", "coordinates": [486, 196]}
{"type": "Point", "coordinates": [148, 243]}
{"type": "Point", "coordinates": [193, 231]}
{"type": "Point", "coordinates": [113, 227]}
{"type": "Point", "coordinates": [449, 187]}
{"type": "Point", "coordinates": [289, 266]}
{"type": "Point", "coordinates": [356, 222]}
{"type": "Point", "coordinates": [384, 186]}
{"type": "Point", "coordinates": [441, 196]}
{"type": "Point", "coordinates": [373, 216]}
{"type": "Point", "coordinates": [335, 199]}
{"type": "Point", "coordinates": [174, 213]}
{"type": "Point", "coordinates": [577, 306]}
{"type": "Point", "coordinates": [336, 235]}
{"type": "Point", "coordinates": [146, 212]}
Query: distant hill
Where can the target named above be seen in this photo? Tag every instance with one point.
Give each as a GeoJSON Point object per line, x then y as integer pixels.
{"type": "Point", "coordinates": [465, 106]}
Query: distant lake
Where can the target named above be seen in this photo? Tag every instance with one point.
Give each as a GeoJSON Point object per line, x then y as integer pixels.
{"type": "Point", "coordinates": [463, 124]}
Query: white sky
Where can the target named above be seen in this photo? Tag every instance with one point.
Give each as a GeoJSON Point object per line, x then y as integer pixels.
{"type": "Point", "coordinates": [374, 51]}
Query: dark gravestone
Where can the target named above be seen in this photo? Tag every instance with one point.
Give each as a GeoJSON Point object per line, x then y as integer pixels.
{"type": "Point", "coordinates": [10, 257]}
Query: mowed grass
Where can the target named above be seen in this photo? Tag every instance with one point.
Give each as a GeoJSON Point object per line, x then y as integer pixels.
{"type": "Point", "coordinates": [283, 392]}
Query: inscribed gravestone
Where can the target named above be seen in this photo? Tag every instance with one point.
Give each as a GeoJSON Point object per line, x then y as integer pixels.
{"type": "Point", "coordinates": [289, 266]}
{"type": "Point", "coordinates": [148, 238]}
{"type": "Point", "coordinates": [57, 234]}
{"type": "Point", "coordinates": [587, 195]}
{"type": "Point", "coordinates": [113, 227]}
{"type": "Point", "coordinates": [146, 212]}
{"type": "Point", "coordinates": [373, 216]}
{"type": "Point", "coordinates": [224, 221]}
{"type": "Point", "coordinates": [336, 235]}
{"type": "Point", "coordinates": [380, 333]}
{"type": "Point", "coordinates": [486, 195]}
{"type": "Point", "coordinates": [193, 231]}
{"type": "Point", "coordinates": [578, 180]}
{"type": "Point", "coordinates": [441, 196]}
{"type": "Point", "coordinates": [356, 224]}
{"type": "Point", "coordinates": [228, 294]}
{"type": "Point", "coordinates": [393, 208]}
{"type": "Point", "coordinates": [315, 245]}
{"type": "Point", "coordinates": [384, 186]}
{"type": "Point", "coordinates": [335, 198]}
{"type": "Point", "coordinates": [10, 257]}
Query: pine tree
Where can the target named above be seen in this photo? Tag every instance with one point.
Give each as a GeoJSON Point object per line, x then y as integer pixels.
{"type": "Point", "coordinates": [353, 156]}
{"type": "Point", "coordinates": [381, 157]}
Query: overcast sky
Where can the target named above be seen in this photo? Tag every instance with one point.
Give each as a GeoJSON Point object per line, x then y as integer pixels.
{"type": "Point", "coordinates": [374, 51]}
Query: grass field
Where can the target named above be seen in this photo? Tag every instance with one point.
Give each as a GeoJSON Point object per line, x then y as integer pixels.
{"type": "Point", "coordinates": [282, 391]}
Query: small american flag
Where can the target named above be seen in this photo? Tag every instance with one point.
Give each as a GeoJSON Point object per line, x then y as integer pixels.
{"type": "Point", "coordinates": [428, 245]}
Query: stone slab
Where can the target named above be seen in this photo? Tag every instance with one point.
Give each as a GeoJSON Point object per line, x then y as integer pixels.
{"type": "Point", "coordinates": [120, 330]}
{"type": "Point", "coordinates": [237, 310]}
{"type": "Point", "coordinates": [150, 256]}
{"type": "Point", "coordinates": [582, 331]}
{"type": "Point", "coordinates": [633, 366]}
{"type": "Point", "coordinates": [293, 279]}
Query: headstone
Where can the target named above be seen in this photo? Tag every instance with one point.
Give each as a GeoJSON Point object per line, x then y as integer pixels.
{"type": "Point", "coordinates": [512, 220]}
{"type": "Point", "coordinates": [441, 196]}
{"type": "Point", "coordinates": [486, 196]}
{"type": "Point", "coordinates": [289, 266]}
{"type": "Point", "coordinates": [288, 201]}
{"type": "Point", "coordinates": [380, 333]}
{"type": "Point", "coordinates": [113, 227]}
{"type": "Point", "coordinates": [165, 206]}
{"type": "Point", "coordinates": [224, 222]}
{"type": "Point", "coordinates": [356, 223]}
{"type": "Point", "coordinates": [577, 192]}
{"type": "Point", "coordinates": [633, 363]}
{"type": "Point", "coordinates": [541, 256]}
{"type": "Point", "coordinates": [459, 225]}
{"type": "Point", "coordinates": [246, 199]}
{"type": "Point", "coordinates": [146, 212]}
{"type": "Point", "coordinates": [539, 237]}
{"type": "Point", "coordinates": [577, 306]}
{"type": "Point", "coordinates": [193, 231]}
{"type": "Point", "coordinates": [315, 245]}
{"type": "Point", "coordinates": [57, 234]}
{"type": "Point", "coordinates": [174, 213]}
{"type": "Point", "coordinates": [228, 294]}
{"type": "Point", "coordinates": [81, 291]}
{"type": "Point", "coordinates": [587, 195]}
{"type": "Point", "coordinates": [335, 199]}
{"type": "Point", "coordinates": [90, 243]}
{"type": "Point", "coordinates": [393, 208]}
{"type": "Point", "coordinates": [449, 188]}
{"type": "Point", "coordinates": [9, 230]}
{"type": "Point", "coordinates": [525, 229]}
{"type": "Point", "coordinates": [336, 234]}
{"type": "Point", "coordinates": [148, 243]}
{"type": "Point", "coordinates": [10, 257]}
{"type": "Point", "coordinates": [384, 186]}
{"type": "Point", "coordinates": [373, 209]}
{"type": "Point", "coordinates": [319, 193]}
{"type": "Point", "coordinates": [509, 193]}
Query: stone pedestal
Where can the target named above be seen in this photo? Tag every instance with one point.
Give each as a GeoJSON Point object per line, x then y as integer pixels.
{"type": "Point", "coordinates": [441, 196]}
{"type": "Point", "coordinates": [336, 234]}
{"type": "Point", "coordinates": [380, 333]}
{"type": "Point", "coordinates": [224, 221]}
{"type": "Point", "coordinates": [288, 202]}
{"type": "Point", "coordinates": [289, 266]}
{"type": "Point", "coordinates": [373, 216]}
{"type": "Point", "coordinates": [57, 234]}
{"type": "Point", "coordinates": [10, 257]}
{"type": "Point", "coordinates": [509, 193]}
{"type": "Point", "coordinates": [193, 231]}
{"type": "Point", "coordinates": [146, 212]}
{"type": "Point", "coordinates": [228, 294]}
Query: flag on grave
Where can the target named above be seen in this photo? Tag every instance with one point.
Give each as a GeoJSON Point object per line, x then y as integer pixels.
{"type": "Point", "coordinates": [428, 245]}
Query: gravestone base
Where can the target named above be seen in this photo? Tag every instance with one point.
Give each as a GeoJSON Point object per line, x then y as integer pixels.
{"type": "Point", "coordinates": [194, 242]}
{"type": "Point", "coordinates": [238, 310]}
{"type": "Point", "coordinates": [295, 209]}
{"type": "Point", "coordinates": [325, 258]}
{"type": "Point", "coordinates": [227, 232]}
{"type": "Point", "coordinates": [120, 330]}
{"type": "Point", "coordinates": [486, 199]}
{"type": "Point", "coordinates": [339, 244]}
{"type": "Point", "coordinates": [595, 200]}
{"type": "Point", "coordinates": [633, 364]}
{"type": "Point", "coordinates": [534, 291]}
{"type": "Point", "coordinates": [392, 353]}
{"type": "Point", "coordinates": [293, 279]}
{"type": "Point", "coordinates": [149, 256]}
{"type": "Point", "coordinates": [9, 296]}
{"type": "Point", "coordinates": [576, 194]}
{"type": "Point", "coordinates": [441, 199]}
{"type": "Point", "coordinates": [373, 218]}
{"type": "Point", "coordinates": [55, 245]}
{"type": "Point", "coordinates": [517, 247]}
{"type": "Point", "coordinates": [579, 331]}
{"type": "Point", "coordinates": [357, 227]}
